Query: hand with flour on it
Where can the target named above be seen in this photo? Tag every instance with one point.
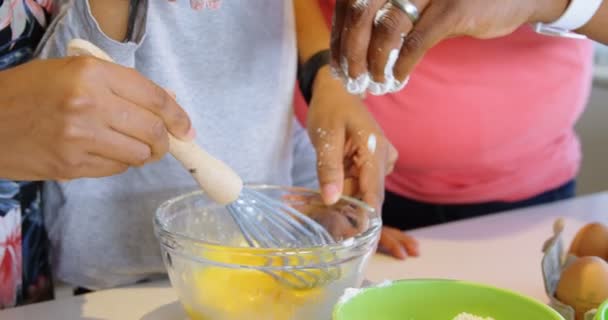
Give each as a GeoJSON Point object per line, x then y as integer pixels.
{"type": "Point", "coordinates": [353, 154]}
{"type": "Point", "coordinates": [377, 43]}
{"type": "Point", "coordinates": [354, 157]}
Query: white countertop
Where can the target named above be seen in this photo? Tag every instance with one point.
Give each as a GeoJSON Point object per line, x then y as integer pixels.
{"type": "Point", "coordinates": [504, 250]}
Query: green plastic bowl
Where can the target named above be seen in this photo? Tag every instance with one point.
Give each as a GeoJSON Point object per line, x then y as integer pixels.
{"type": "Point", "coordinates": [440, 300]}
{"type": "Point", "coordinates": [602, 312]}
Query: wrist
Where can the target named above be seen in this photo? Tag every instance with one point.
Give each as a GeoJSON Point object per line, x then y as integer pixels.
{"type": "Point", "coordinates": [547, 11]}
{"type": "Point", "coordinates": [308, 73]}
{"type": "Point", "coordinates": [327, 83]}
{"type": "Point", "coordinates": [325, 80]}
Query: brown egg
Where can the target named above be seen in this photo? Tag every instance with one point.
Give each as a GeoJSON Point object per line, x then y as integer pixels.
{"type": "Point", "coordinates": [591, 240]}
{"type": "Point", "coordinates": [584, 285]}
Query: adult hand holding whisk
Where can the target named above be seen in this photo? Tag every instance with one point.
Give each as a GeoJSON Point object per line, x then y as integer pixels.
{"type": "Point", "coordinates": [263, 221]}
{"type": "Point", "coordinates": [377, 43]}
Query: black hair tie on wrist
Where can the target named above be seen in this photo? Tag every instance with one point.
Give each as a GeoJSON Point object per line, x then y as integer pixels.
{"type": "Point", "coordinates": [307, 72]}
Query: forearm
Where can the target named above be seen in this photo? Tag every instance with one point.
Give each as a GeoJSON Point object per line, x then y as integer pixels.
{"type": "Point", "coordinates": [550, 10]}
{"type": "Point", "coordinates": [112, 17]}
{"type": "Point", "coordinates": [92, 20]}
{"type": "Point", "coordinates": [16, 95]}
{"type": "Point", "coordinates": [597, 28]}
{"type": "Point", "coordinates": [6, 169]}
{"type": "Point", "coordinates": [313, 35]}
{"type": "Point", "coordinates": [312, 32]}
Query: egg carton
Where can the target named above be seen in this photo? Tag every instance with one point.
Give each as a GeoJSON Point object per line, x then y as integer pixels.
{"type": "Point", "coordinates": [554, 261]}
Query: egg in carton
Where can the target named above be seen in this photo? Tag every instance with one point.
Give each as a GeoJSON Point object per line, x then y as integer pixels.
{"type": "Point", "coordinates": [554, 261]}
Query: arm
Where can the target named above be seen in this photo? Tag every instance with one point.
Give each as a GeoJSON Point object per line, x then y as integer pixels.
{"type": "Point", "coordinates": [363, 37]}
{"type": "Point", "coordinates": [312, 32]}
{"type": "Point", "coordinates": [597, 28]}
{"type": "Point", "coordinates": [331, 108]}
{"type": "Point", "coordinates": [340, 128]}
{"type": "Point", "coordinates": [102, 22]}
{"type": "Point", "coordinates": [112, 17]}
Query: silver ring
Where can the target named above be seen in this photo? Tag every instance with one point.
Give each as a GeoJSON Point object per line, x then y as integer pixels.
{"type": "Point", "coordinates": [408, 8]}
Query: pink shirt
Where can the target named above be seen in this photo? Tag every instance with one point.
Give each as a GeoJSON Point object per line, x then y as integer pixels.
{"type": "Point", "coordinates": [488, 120]}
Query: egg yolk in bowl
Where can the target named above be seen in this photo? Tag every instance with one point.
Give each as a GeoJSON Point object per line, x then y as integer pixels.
{"type": "Point", "coordinates": [248, 293]}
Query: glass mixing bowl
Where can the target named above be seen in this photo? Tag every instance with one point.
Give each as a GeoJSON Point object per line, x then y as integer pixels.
{"type": "Point", "coordinates": [217, 276]}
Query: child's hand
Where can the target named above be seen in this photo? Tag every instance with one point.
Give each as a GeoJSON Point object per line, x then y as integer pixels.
{"type": "Point", "coordinates": [353, 155]}
{"type": "Point", "coordinates": [397, 243]}
{"type": "Point", "coordinates": [349, 143]}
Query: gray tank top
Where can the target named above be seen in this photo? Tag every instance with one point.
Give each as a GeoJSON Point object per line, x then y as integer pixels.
{"type": "Point", "coordinates": [233, 70]}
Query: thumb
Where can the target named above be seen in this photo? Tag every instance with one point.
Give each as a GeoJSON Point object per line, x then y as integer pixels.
{"type": "Point", "coordinates": [329, 145]}
{"type": "Point", "coordinates": [434, 25]}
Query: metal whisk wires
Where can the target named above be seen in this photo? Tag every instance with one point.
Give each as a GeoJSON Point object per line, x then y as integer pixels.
{"type": "Point", "coordinates": [269, 223]}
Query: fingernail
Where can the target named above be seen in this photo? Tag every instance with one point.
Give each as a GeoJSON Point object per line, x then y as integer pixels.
{"type": "Point", "coordinates": [399, 85]}
{"type": "Point", "coordinates": [331, 193]}
{"type": "Point", "coordinates": [377, 88]}
{"type": "Point", "coordinates": [358, 85]}
{"type": "Point", "coordinates": [390, 64]}
{"type": "Point", "coordinates": [191, 133]}
{"type": "Point", "coordinates": [382, 13]}
{"type": "Point", "coordinates": [336, 72]}
{"type": "Point", "coordinates": [344, 65]}
{"type": "Point", "coordinates": [390, 83]}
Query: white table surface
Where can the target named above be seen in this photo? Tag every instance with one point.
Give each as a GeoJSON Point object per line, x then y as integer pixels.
{"type": "Point", "coordinates": [504, 250]}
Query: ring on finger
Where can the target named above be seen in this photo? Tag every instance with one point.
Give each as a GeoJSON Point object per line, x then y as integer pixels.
{"type": "Point", "coordinates": [408, 8]}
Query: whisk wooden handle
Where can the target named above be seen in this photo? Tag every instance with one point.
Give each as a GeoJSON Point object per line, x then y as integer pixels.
{"type": "Point", "coordinates": [216, 178]}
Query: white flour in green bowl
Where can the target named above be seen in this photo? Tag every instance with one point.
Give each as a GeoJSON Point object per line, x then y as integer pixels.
{"type": "Point", "coordinates": [468, 316]}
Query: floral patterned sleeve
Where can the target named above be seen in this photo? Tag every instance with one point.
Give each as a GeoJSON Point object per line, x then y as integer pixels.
{"type": "Point", "coordinates": [25, 272]}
